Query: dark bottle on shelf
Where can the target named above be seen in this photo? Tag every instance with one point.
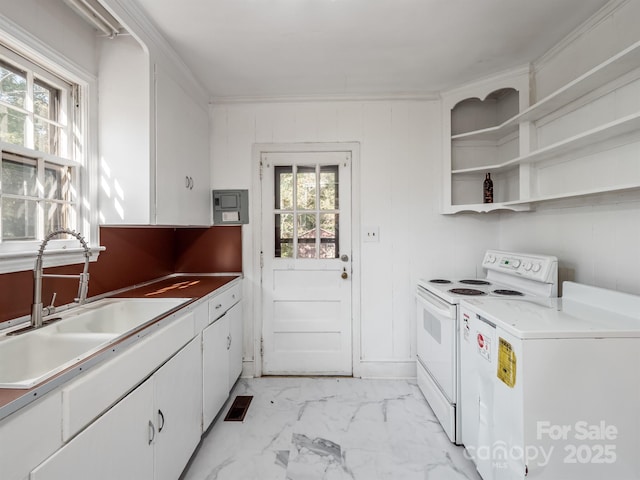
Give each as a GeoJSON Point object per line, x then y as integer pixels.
{"type": "Point", "coordinates": [487, 189]}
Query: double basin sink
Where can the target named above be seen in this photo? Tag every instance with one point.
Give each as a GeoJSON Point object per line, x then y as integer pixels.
{"type": "Point", "coordinates": [35, 356]}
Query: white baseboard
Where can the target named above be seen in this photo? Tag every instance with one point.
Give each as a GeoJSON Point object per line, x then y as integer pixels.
{"type": "Point", "coordinates": [400, 369]}
{"type": "Point", "coordinates": [386, 369]}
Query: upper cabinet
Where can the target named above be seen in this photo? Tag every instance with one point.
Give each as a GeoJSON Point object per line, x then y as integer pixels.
{"type": "Point", "coordinates": [183, 192]}
{"type": "Point", "coordinates": [154, 132]}
{"type": "Point", "coordinates": [582, 139]}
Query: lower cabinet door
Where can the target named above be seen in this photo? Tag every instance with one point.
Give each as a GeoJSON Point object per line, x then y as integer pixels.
{"type": "Point", "coordinates": [235, 343]}
{"type": "Point", "coordinates": [215, 369]}
{"type": "Point", "coordinates": [178, 411]}
{"type": "Point", "coordinates": [117, 445]}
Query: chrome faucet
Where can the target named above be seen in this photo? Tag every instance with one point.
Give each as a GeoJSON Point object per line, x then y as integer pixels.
{"type": "Point", "coordinates": [83, 288]}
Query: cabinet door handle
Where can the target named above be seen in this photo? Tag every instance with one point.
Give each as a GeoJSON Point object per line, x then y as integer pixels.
{"type": "Point", "coordinates": [152, 432]}
{"type": "Point", "coordinates": [160, 418]}
{"type": "Point", "coordinates": [218, 306]}
{"type": "Point", "coordinates": [187, 182]}
{"type": "Point", "coordinates": [228, 342]}
{"type": "Point", "coordinates": [191, 186]}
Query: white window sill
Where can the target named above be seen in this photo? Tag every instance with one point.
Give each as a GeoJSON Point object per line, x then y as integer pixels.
{"type": "Point", "coordinates": [20, 261]}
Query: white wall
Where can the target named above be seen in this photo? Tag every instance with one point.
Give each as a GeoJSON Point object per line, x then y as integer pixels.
{"type": "Point", "coordinates": [400, 185]}
{"type": "Point", "coordinates": [596, 239]}
{"type": "Point", "coordinates": [57, 26]}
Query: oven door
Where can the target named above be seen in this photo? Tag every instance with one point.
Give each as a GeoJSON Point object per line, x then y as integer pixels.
{"type": "Point", "coordinates": [437, 342]}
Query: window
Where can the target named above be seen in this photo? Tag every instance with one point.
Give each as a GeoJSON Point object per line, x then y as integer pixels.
{"type": "Point", "coordinates": [30, 212]}
{"type": "Point", "coordinates": [44, 166]}
{"type": "Point", "coordinates": [308, 226]}
{"type": "Point", "coordinates": [34, 106]}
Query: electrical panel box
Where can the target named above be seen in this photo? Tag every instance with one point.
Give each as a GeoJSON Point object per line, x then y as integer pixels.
{"type": "Point", "coordinates": [230, 207]}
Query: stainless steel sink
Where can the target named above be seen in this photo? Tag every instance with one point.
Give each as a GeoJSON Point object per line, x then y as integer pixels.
{"type": "Point", "coordinates": [34, 356]}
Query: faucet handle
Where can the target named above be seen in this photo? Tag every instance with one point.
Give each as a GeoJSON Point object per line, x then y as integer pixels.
{"type": "Point", "coordinates": [51, 308]}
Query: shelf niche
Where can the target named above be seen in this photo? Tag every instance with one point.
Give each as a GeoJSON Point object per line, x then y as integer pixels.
{"type": "Point", "coordinates": [480, 138]}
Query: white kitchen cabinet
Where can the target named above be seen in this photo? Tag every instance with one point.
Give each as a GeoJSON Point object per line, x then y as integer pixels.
{"type": "Point", "coordinates": [221, 352]}
{"type": "Point", "coordinates": [580, 140]}
{"type": "Point", "coordinates": [235, 343]}
{"type": "Point", "coordinates": [151, 433]}
{"type": "Point", "coordinates": [183, 194]}
{"type": "Point", "coordinates": [29, 436]}
{"type": "Point", "coordinates": [154, 141]}
{"type": "Point", "coordinates": [177, 418]}
{"type": "Point", "coordinates": [215, 369]}
{"type": "Point", "coordinates": [117, 445]}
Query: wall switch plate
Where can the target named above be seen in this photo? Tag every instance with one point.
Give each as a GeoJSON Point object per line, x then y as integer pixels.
{"type": "Point", "coordinates": [371, 234]}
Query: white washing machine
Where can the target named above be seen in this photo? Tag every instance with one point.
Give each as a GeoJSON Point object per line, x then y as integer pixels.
{"type": "Point", "coordinates": [550, 388]}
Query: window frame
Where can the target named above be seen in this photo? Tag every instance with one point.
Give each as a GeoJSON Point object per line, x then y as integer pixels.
{"type": "Point", "coordinates": [79, 149]}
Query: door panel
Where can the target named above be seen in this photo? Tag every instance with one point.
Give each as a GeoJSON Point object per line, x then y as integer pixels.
{"type": "Point", "coordinates": [306, 253]}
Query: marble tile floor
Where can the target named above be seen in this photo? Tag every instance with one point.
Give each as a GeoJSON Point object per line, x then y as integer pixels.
{"type": "Point", "coordinates": [329, 429]}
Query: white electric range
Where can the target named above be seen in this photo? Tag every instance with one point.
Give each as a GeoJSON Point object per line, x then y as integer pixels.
{"type": "Point", "coordinates": [509, 275]}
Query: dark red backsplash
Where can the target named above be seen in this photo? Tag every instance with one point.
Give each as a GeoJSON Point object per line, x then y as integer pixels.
{"type": "Point", "coordinates": [133, 255]}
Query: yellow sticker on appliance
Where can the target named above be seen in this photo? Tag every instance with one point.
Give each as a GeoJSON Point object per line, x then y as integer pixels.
{"type": "Point", "coordinates": [506, 363]}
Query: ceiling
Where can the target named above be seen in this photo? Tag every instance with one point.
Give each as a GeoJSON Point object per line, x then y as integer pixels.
{"type": "Point", "coordinates": [302, 48]}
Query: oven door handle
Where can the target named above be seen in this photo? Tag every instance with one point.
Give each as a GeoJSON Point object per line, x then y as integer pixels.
{"type": "Point", "coordinates": [434, 305]}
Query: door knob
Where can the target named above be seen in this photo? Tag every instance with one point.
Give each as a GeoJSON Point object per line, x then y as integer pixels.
{"type": "Point", "coordinates": [344, 275]}
{"type": "Point", "coordinates": [344, 258]}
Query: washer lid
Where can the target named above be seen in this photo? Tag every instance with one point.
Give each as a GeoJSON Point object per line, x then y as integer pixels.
{"type": "Point", "coordinates": [553, 318]}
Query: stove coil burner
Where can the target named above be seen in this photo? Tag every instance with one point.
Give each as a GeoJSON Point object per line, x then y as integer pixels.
{"type": "Point", "coordinates": [467, 291]}
{"type": "Point", "coordinates": [439, 280]}
{"type": "Point", "coordinates": [514, 293]}
{"type": "Point", "coordinates": [475, 282]}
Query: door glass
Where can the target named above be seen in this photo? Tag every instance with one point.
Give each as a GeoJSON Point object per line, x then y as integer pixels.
{"type": "Point", "coordinates": [329, 235]}
{"type": "Point", "coordinates": [306, 184]}
{"type": "Point", "coordinates": [312, 200]}
{"type": "Point", "coordinates": [284, 188]}
{"type": "Point", "coordinates": [284, 235]}
{"type": "Point", "coordinates": [329, 187]}
{"type": "Point", "coordinates": [307, 235]}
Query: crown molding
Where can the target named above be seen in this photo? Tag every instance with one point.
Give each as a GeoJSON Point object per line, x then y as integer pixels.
{"type": "Point", "coordinates": [390, 97]}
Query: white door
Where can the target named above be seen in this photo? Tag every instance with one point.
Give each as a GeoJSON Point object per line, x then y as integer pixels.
{"type": "Point", "coordinates": [306, 263]}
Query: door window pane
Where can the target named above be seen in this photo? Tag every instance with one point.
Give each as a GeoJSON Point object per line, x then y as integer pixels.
{"type": "Point", "coordinates": [18, 219]}
{"type": "Point", "coordinates": [329, 187]}
{"type": "Point", "coordinates": [329, 235]}
{"type": "Point", "coordinates": [306, 187]}
{"type": "Point", "coordinates": [284, 188]}
{"type": "Point", "coordinates": [307, 235]}
{"type": "Point", "coordinates": [284, 235]}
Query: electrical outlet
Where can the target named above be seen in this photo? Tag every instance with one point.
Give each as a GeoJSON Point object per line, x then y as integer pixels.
{"type": "Point", "coordinates": [371, 234]}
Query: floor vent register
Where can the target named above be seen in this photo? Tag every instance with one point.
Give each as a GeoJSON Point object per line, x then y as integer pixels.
{"type": "Point", "coordinates": [238, 408]}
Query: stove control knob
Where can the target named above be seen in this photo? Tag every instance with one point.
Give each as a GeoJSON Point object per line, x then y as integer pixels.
{"type": "Point", "coordinates": [516, 263]}
{"type": "Point", "coordinates": [536, 267]}
{"type": "Point", "coordinates": [491, 259]}
{"type": "Point", "coordinates": [527, 266]}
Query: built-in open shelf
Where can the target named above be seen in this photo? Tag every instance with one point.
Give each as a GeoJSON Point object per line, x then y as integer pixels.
{"type": "Point", "coordinates": [509, 149]}
{"type": "Point", "coordinates": [608, 131]}
{"type": "Point", "coordinates": [576, 194]}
